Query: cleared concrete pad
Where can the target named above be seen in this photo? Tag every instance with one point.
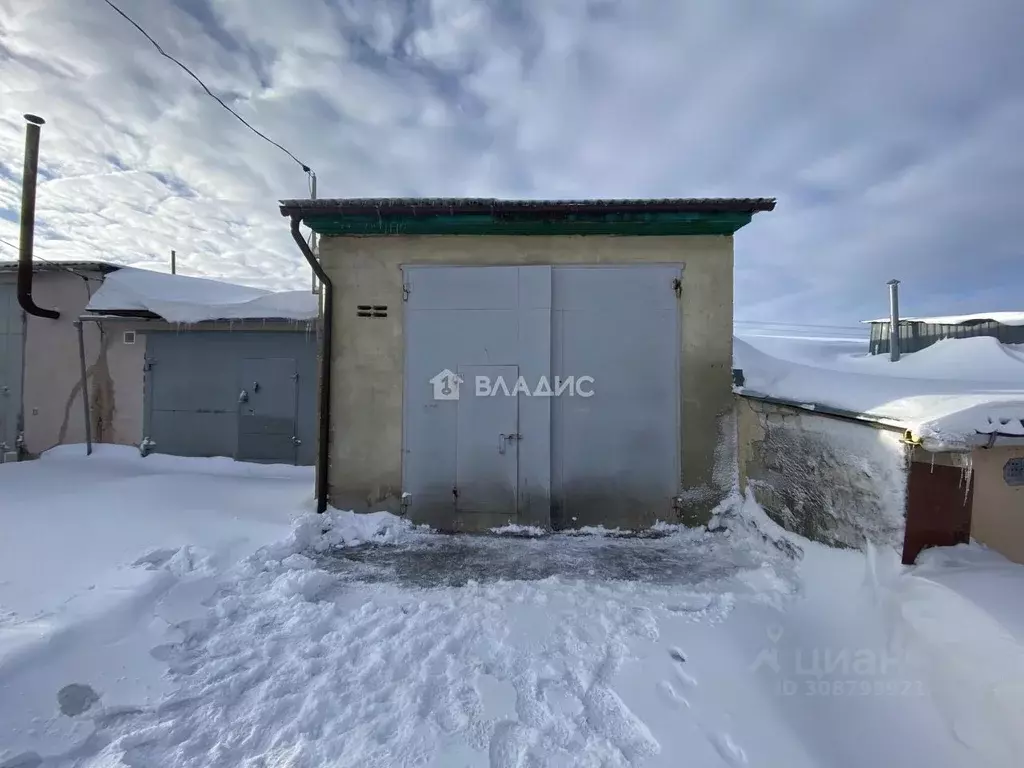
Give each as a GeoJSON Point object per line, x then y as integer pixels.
{"type": "Point", "coordinates": [435, 560]}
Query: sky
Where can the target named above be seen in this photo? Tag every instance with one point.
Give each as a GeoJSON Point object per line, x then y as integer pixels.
{"type": "Point", "coordinates": [889, 132]}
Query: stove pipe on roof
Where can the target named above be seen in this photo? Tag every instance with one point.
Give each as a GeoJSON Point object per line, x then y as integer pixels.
{"type": "Point", "coordinates": [28, 220]}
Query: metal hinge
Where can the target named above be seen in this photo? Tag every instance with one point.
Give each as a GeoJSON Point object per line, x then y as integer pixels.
{"type": "Point", "coordinates": [406, 290]}
{"type": "Point", "coordinates": [677, 505]}
{"type": "Point", "coordinates": [455, 492]}
{"type": "Point", "coordinates": [677, 286]}
{"type": "Point", "coordinates": [148, 365]}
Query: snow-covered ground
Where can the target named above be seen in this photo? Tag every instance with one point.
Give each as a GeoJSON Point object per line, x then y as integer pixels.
{"type": "Point", "coordinates": [192, 613]}
{"type": "Point", "coordinates": [951, 394]}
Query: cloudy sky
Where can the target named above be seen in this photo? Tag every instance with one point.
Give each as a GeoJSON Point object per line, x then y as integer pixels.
{"type": "Point", "coordinates": [890, 131]}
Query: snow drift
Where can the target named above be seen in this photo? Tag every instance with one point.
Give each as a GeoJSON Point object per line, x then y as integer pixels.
{"type": "Point", "coordinates": [949, 394]}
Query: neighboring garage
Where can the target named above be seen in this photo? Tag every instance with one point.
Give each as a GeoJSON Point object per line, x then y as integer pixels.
{"type": "Point", "coordinates": [548, 363]}
{"type": "Point", "coordinates": [248, 394]}
{"type": "Point", "coordinates": [11, 341]}
{"type": "Point", "coordinates": [179, 365]}
{"type": "Point", "coordinates": [224, 369]}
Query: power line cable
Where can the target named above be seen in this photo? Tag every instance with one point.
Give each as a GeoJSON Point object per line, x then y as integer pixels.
{"type": "Point", "coordinates": [212, 95]}
{"type": "Point", "coordinates": [56, 264]}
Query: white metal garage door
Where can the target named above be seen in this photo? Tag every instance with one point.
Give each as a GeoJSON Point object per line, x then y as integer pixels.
{"type": "Point", "coordinates": [11, 351]}
{"type": "Point", "coordinates": [606, 451]}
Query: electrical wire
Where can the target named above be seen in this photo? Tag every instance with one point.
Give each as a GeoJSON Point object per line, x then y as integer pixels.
{"type": "Point", "coordinates": [215, 97]}
{"type": "Point", "coordinates": [56, 264]}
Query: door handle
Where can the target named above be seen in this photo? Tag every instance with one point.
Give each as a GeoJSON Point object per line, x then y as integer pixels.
{"type": "Point", "coordinates": [243, 396]}
{"type": "Point", "coordinates": [501, 443]}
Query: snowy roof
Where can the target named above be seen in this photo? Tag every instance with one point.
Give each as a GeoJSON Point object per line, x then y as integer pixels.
{"type": "Point", "coordinates": [1006, 318]}
{"type": "Point", "coordinates": [952, 395]}
{"type": "Point", "coordinates": [180, 299]}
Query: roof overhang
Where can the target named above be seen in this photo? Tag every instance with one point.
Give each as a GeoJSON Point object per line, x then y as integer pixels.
{"type": "Point", "coordinates": [487, 216]}
{"type": "Point", "coordinates": [102, 267]}
{"type": "Point", "coordinates": [967, 443]}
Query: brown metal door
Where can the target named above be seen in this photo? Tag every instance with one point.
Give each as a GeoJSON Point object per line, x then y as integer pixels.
{"type": "Point", "coordinates": [938, 508]}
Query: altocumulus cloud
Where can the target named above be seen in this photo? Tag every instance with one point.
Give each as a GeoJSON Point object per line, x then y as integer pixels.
{"type": "Point", "coordinates": [889, 132]}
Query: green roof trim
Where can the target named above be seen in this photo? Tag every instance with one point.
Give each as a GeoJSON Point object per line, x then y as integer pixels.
{"type": "Point", "coordinates": [638, 223]}
{"type": "Point", "coordinates": [377, 217]}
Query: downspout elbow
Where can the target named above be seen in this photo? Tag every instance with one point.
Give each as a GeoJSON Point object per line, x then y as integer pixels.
{"type": "Point", "coordinates": [324, 435]}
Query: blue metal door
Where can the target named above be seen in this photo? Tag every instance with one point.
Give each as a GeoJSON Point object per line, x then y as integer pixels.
{"type": "Point", "coordinates": [473, 321]}
{"type": "Point", "coordinates": [267, 410]}
{"type": "Point", "coordinates": [487, 443]}
{"type": "Point", "coordinates": [604, 452]}
{"type": "Point", "coordinates": [195, 404]}
{"type": "Point", "coordinates": [616, 452]}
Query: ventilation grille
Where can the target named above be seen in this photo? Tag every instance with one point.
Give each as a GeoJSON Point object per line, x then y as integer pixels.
{"type": "Point", "coordinates": [129, 337]}
{"type": "Point", "coordinates": [372, 310]}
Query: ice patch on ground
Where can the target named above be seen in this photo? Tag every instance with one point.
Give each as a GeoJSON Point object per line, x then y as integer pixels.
{"type": "Point", "coordinates": [512, 529]}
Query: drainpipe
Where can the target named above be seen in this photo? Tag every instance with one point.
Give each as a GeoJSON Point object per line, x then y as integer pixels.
{"type": "Point", "coordinates": [323, 446]}
{"type": "Point", "coordinates": [85, 387]}
{"type": "Point", "coordinates": [894, 320]}
{"type": "Point", "coordinates": [28, 220]}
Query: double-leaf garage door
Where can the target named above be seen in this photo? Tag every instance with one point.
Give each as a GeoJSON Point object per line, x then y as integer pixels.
{"type": "Point", "coordinates": [244, 394]}
{"type": "Point", "coordinates": [542, 393]}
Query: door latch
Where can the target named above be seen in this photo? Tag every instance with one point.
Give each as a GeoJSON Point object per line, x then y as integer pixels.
{"type": "Point", "coordinates": [502, 438]}
{"type": "Point", "coordinates": [243, 396]}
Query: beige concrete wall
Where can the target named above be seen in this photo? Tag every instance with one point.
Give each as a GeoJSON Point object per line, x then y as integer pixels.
{"type": "Point", "coordinates": [52, 398]}
{"type": "Point", "coordinates": [997, 517]}
{"type": "Point", "coordinates": [366, 442]}
{"type": "Point", "coordinates": [831, 480]}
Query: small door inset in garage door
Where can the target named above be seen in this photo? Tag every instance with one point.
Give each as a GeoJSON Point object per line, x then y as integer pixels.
{"type": "Point", "coordinates": [268, 407]}
{"type": "Point", "coordinates": [487, 445]}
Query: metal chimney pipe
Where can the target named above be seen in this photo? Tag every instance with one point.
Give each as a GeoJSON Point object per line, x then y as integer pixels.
{"type": "Point", "coordinates": [28, 220]}
{"type": "Point", "coordinates": [894, 320]}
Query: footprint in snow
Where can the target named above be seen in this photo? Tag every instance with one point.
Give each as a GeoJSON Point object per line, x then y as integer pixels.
{"type": "Point", "coordinates": [672, 694]}
{"type": "Point", "coordinates": [680, 658]}
{"type": "Point", "coordinates": [730, 751]}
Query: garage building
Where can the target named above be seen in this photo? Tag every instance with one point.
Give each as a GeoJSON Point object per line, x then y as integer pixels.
{"type": "Point", "coordinates": [548, 363]}
{"type": "Point", "coordinates": [174, 364]}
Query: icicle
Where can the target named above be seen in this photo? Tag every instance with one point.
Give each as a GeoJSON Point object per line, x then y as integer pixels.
{"type": "Point", "coordinates": [966, 463]}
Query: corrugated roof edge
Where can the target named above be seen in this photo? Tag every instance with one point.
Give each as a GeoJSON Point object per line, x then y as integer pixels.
{"type": "Point", "coordinates": [452, 206]}
{"type": "Point", "coordinates": [51, 266]}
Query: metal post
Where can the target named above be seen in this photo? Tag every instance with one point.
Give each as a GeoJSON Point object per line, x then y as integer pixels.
{"type": "Point", "coordinates": [85, 388]}
{"type": "Point", "coordinates": [174, 267]}
{"type": "Point", "coordinates": [894, 320]}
